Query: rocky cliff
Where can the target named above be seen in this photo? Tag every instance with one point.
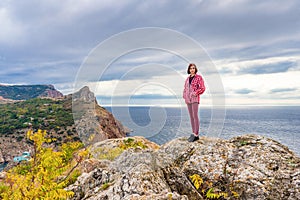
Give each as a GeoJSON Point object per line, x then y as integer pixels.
{"type": "Point", "coordinates": [93, 122]}
{"type": "Point", "coordinates": [245, 167]}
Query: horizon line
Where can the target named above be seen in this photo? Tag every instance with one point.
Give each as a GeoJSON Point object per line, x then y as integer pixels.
{"type": "Point", "coordinates": [179, 106]}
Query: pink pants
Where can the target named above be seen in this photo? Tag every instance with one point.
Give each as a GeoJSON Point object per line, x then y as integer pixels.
{"type": "Point", "coordinates": [193, 111]}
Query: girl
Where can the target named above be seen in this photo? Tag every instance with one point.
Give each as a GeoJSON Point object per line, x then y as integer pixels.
{"type": "Point", "coordinates": [193, 88]}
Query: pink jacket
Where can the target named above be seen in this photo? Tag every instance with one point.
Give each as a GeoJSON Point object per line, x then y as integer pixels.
{"type": "Point", "coordinates": [191, 93]}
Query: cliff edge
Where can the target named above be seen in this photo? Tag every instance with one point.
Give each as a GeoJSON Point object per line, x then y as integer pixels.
{"type": "Point", "coordinates": [244, 167]}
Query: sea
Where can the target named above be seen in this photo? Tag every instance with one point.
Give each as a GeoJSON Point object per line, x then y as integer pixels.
{"type": "Point", "coordinates": [162, 124]}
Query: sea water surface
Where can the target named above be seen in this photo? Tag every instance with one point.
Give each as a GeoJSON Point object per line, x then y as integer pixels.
{"type": "Point", "coordinates": [160, 125]}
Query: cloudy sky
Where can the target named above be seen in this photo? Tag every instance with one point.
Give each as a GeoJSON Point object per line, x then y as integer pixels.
{"type": "Point", "coordinates": [253, 45]}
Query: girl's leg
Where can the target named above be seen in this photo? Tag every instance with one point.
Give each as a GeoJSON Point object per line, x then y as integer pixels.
{"type": "Point", "coordinates": [195, 107]}
{"type": "Point", "coordinates": [190, 108]}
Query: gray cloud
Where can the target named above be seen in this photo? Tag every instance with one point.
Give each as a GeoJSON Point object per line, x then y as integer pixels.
{"type": "Point", "coordinates": [141, 96]}
{"type": "Point", "coordinates": [280, 90]}
{"type": "Point", "coordinates": [153, 96]}
{"type": "Point", "coordinates": [54, 27]}
{"type": "Point", "coordinates": [143, 64]}
{"type": "Point", "coordinates": [269, 68]}
{"type": "Point", "coordinates": [42, 73]}
{"type": "Point", "coordinates": [259, 50]}
{"type": "Point", "coordinates": [225, 71]}
{"type": "Point", "coordinates": [244, 91]}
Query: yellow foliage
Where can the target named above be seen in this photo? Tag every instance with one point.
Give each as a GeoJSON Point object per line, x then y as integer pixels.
{"type": "Point", "coordinates": [45, 175]}
{"type": "Point", "coordinates": [196, 180]}
{"type": "Point", "coordinates": [207, 190]}
{"type": "Point", "coordinates": [215, 195]}
{"type": "Point", "coordinates": [235, 194]}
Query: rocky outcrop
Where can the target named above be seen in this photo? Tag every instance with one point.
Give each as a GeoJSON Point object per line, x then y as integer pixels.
{"type": "Point", "coordinates": [51, 92]}
{"type": "Point", "coordinates": [93, 122]}
{"type": "Point", "coordinates": [244, 167]}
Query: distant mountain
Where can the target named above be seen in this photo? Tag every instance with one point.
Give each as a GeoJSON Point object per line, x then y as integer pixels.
{"type": "Point", "coordinates": [25, 92]}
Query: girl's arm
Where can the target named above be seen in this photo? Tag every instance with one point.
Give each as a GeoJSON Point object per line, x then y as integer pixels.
{"type": "Point", "coordinates": [200, 86]}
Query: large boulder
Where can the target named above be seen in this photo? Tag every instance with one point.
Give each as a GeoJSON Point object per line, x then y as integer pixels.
{"type": "Point", "coordinates": [244, 167]}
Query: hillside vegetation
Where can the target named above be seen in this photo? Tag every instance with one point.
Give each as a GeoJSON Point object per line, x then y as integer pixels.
{"type": "Point", "coordinates": [24, 92]}
{"type": "Point", "coordinates": [47, 114]}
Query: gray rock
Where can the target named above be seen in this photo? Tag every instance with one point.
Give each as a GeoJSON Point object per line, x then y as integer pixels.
{"type": "Point", "coordinates": [244, 167]}
{"type": "Point", "coordinates": [1, 157]}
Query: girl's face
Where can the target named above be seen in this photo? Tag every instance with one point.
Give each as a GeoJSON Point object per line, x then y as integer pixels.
{"type": "Point", "coordinates": [192, 69]}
